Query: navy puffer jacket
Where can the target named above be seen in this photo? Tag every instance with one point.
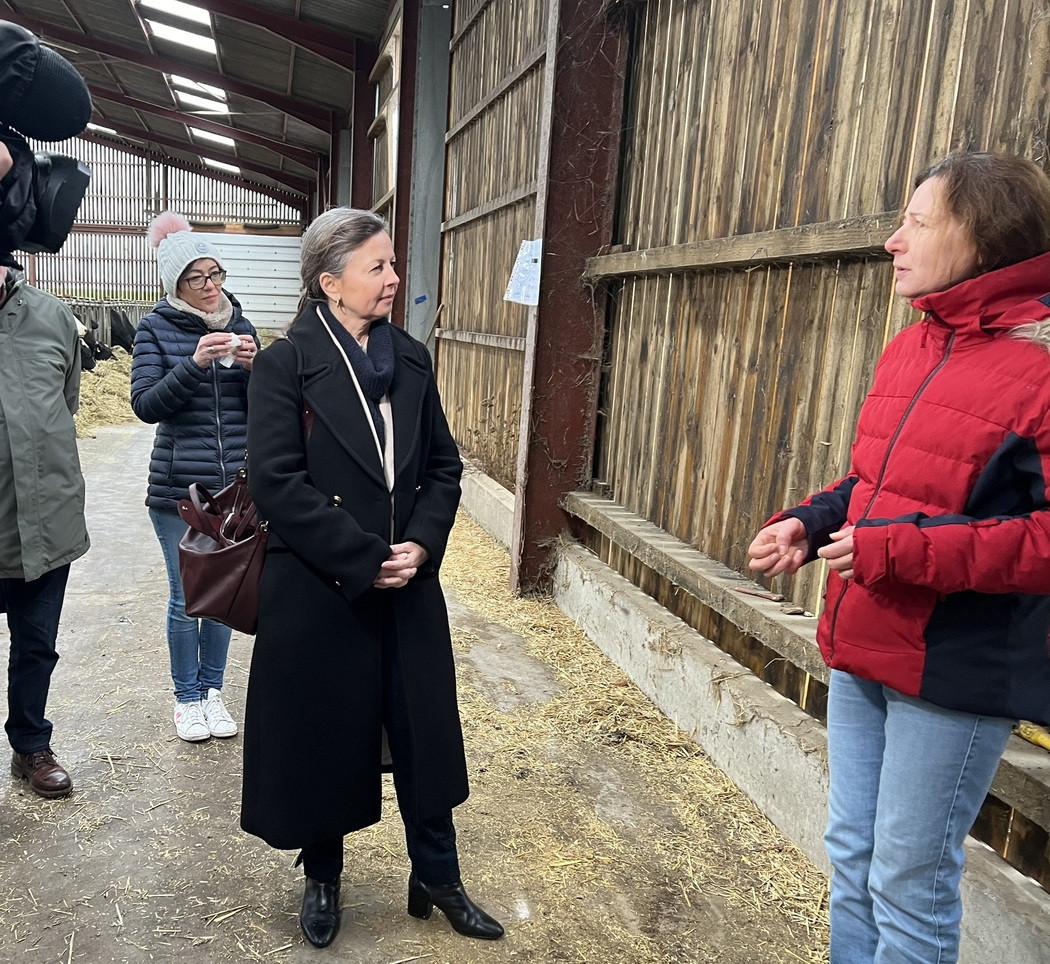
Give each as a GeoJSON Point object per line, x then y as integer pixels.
{"type": "Point", "coordinates": [201, 413]}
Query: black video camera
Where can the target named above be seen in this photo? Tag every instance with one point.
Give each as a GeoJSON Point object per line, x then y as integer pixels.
{"type": "Point", "coordinates": [41, 96]}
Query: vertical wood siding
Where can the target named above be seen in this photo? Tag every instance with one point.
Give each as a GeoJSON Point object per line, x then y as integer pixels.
{"type": "Point", "coordinates": [490, 179]}
{"type": "Point", "coordinates": [732, 393]}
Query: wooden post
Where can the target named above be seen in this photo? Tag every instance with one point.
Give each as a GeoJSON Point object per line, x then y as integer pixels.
{"type": "Point", "coordinates": [575, 211]}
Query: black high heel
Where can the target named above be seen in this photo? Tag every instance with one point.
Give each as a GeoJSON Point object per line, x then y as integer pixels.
{"type": "Point", "coordinates": [463, 914]}
{"type": "Point", "coordinates": [319, 916]}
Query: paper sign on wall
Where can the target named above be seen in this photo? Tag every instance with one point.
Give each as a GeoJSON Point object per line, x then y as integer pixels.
{"type": "Point", "coordinates": [524, 286]}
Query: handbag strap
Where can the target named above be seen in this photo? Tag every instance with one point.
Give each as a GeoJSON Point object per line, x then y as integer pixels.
{"type": "Point", "coordinates": [202, 511]}
{"type": "Point", "coordinates": [194, 512]}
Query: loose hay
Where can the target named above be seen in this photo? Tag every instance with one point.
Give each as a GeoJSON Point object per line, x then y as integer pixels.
{"type": "Point", "coordinates": [105, 395]}
{"type": "Point", "coordinates": [719, 844]}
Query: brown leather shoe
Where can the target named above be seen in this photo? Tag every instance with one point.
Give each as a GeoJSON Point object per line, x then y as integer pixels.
{"type": "Point", "coordinates": [43, 772]}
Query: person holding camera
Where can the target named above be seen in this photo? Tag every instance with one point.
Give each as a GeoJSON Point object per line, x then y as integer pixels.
{"type": "Point", "coordinates": [42, 525]}
{"type": "Point", "coordinates": [191, 360]}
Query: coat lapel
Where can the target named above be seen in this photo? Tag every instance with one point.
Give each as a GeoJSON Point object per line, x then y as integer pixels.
{"type": "Point", "coordinates": [407, 393]}
{"type": "Point", "coordinates": [328, 390]}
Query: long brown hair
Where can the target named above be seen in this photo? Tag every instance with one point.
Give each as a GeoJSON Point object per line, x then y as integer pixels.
{"type": "Point", "coordinates": [1004, 201]}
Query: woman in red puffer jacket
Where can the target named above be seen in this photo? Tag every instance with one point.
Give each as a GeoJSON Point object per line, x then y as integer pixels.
{"type": "Point", "coordinates": [937, 607]}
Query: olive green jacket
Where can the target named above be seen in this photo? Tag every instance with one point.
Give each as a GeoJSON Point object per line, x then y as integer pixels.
{"type": "Point", "coordinates": [42, 522]}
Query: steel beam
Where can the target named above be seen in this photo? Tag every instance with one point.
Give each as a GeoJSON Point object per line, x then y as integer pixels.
{"type": "Point", "coordinates": [406, 113]}
{"type": "Point", "coordinates": [364, 113]}
{"type": "Point", "coordinates": [565, 337]}
{"type": "Point", "coordinates": [326, 42]}
{"type": "Point", "coordinates": [300, 185]}
{"type": "Point", "coordinates": [316, 115]}
{"type": "Point", "coordinates": [297, 154]}
{"type": "Point", "coordinates": [285, 197]}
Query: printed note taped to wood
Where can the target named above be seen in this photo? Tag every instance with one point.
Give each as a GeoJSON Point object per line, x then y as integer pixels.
{"type": "Point", "coordinates": [524, 286]}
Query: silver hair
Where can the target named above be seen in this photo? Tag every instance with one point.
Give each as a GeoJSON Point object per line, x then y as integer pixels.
{"type": "Point", "coordinates": [330, 242]}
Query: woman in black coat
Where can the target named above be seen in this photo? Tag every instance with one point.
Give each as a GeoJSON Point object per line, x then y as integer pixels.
{"type": "Point", "coordinates": [352, 463]}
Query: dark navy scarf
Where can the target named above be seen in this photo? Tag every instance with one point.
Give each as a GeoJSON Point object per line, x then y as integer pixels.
{"type": "Point", "coordinates": [374, 369]}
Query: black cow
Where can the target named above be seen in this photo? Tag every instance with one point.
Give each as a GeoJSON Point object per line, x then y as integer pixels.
{"type": "Point", "coordinates": [91, 349]}
{"type": "Point", "coordinates": [87, 360]}
{"type": "Point", "coordinates": [121, 330]}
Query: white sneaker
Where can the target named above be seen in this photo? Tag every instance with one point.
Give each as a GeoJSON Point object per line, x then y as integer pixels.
{"type": "Point", "coordinates": [190, 723]}
{"type": "Point", "coordinates": [219, 721]}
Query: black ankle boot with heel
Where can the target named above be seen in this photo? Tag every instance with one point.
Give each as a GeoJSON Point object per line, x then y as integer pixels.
{"type": "Point", "coordinates": [319, 916]}
{"type": "Point", "coordinates": [463, 914]}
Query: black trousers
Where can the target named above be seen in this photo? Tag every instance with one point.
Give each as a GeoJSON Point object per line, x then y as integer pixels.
{"type": "Point", "coordinates": [33, 611]}
{"type": "Point", "coordinates": [431, 842]}
{"type": "Point", "coordinates": [431, 850]}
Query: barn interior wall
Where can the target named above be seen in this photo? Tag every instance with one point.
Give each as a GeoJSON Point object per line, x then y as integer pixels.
{"type": "Point", "coordinates": [731, 393]}
{"type": "Point", "coordinates": [493, 160]}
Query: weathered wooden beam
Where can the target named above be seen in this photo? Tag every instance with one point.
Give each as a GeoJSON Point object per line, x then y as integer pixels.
{"type": "Point", "coordinates": [852, 238]}
{"type": "Point", "coordinates": [531, 60]}
{"type": "Point", "coordinates": [715, 585]}
{"type": "Point", "coordinates": [483, 210]}
{"type": "Point", "coordinates": [1023, 778]}
{"type": "Point", "coordinates": [486, 338]}
{"type": "Point", "coordinates": [468, 23]}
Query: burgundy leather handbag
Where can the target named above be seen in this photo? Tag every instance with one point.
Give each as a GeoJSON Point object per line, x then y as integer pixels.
{"type": "Point", "coordinates": [221, 555]}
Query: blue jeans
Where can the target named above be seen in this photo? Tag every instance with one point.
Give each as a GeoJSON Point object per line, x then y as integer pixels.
{"type": "Point", "coordinates": [907, 780]}
{"type": "Point", "coordinates": [33, 611]}
{"type": "Point", "coordinates": [197, 647]}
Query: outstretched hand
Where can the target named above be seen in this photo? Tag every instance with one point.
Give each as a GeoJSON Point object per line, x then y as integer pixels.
{"type": "Point", "coordinates": [779, 548]}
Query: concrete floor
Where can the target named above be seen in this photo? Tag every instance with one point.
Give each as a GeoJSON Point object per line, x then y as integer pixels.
{"type": "Point", "coordinates": [581, 847]}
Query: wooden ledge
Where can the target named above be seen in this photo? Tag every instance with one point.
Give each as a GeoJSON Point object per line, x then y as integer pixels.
{"type": "Point", "coordinates": [1023, 778]}
{"type": "Point", "coordinates": [859, 237]}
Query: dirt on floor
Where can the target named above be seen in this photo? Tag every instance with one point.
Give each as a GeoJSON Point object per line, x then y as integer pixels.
{"type": "Point", "coordinates": [595, 830]}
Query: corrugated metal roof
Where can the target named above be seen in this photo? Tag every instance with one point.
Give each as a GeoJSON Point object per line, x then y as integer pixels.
{"type": "Point", "coordinates": [285, 66]}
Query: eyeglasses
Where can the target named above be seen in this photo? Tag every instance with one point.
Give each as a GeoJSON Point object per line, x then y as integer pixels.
{"type": "Point", "coordinates": [199, 281]}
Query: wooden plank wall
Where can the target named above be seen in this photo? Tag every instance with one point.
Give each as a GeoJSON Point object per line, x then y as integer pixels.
{"type": "Point", "coordinates": [498, 58]}
{"type": "Point", "coordinates": [733, 392]}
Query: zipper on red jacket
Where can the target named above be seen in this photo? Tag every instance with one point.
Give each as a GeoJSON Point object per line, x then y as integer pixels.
{"type": "Point", "coordinates": [889, 451]}
{"type": "Point", "coordinates": [925, 329]}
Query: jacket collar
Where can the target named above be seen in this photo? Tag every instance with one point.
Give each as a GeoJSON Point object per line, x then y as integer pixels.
{"type": "Point", "coordinates": [194, 322]}
{"type": "Point", "coordinates": [993, 302]}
